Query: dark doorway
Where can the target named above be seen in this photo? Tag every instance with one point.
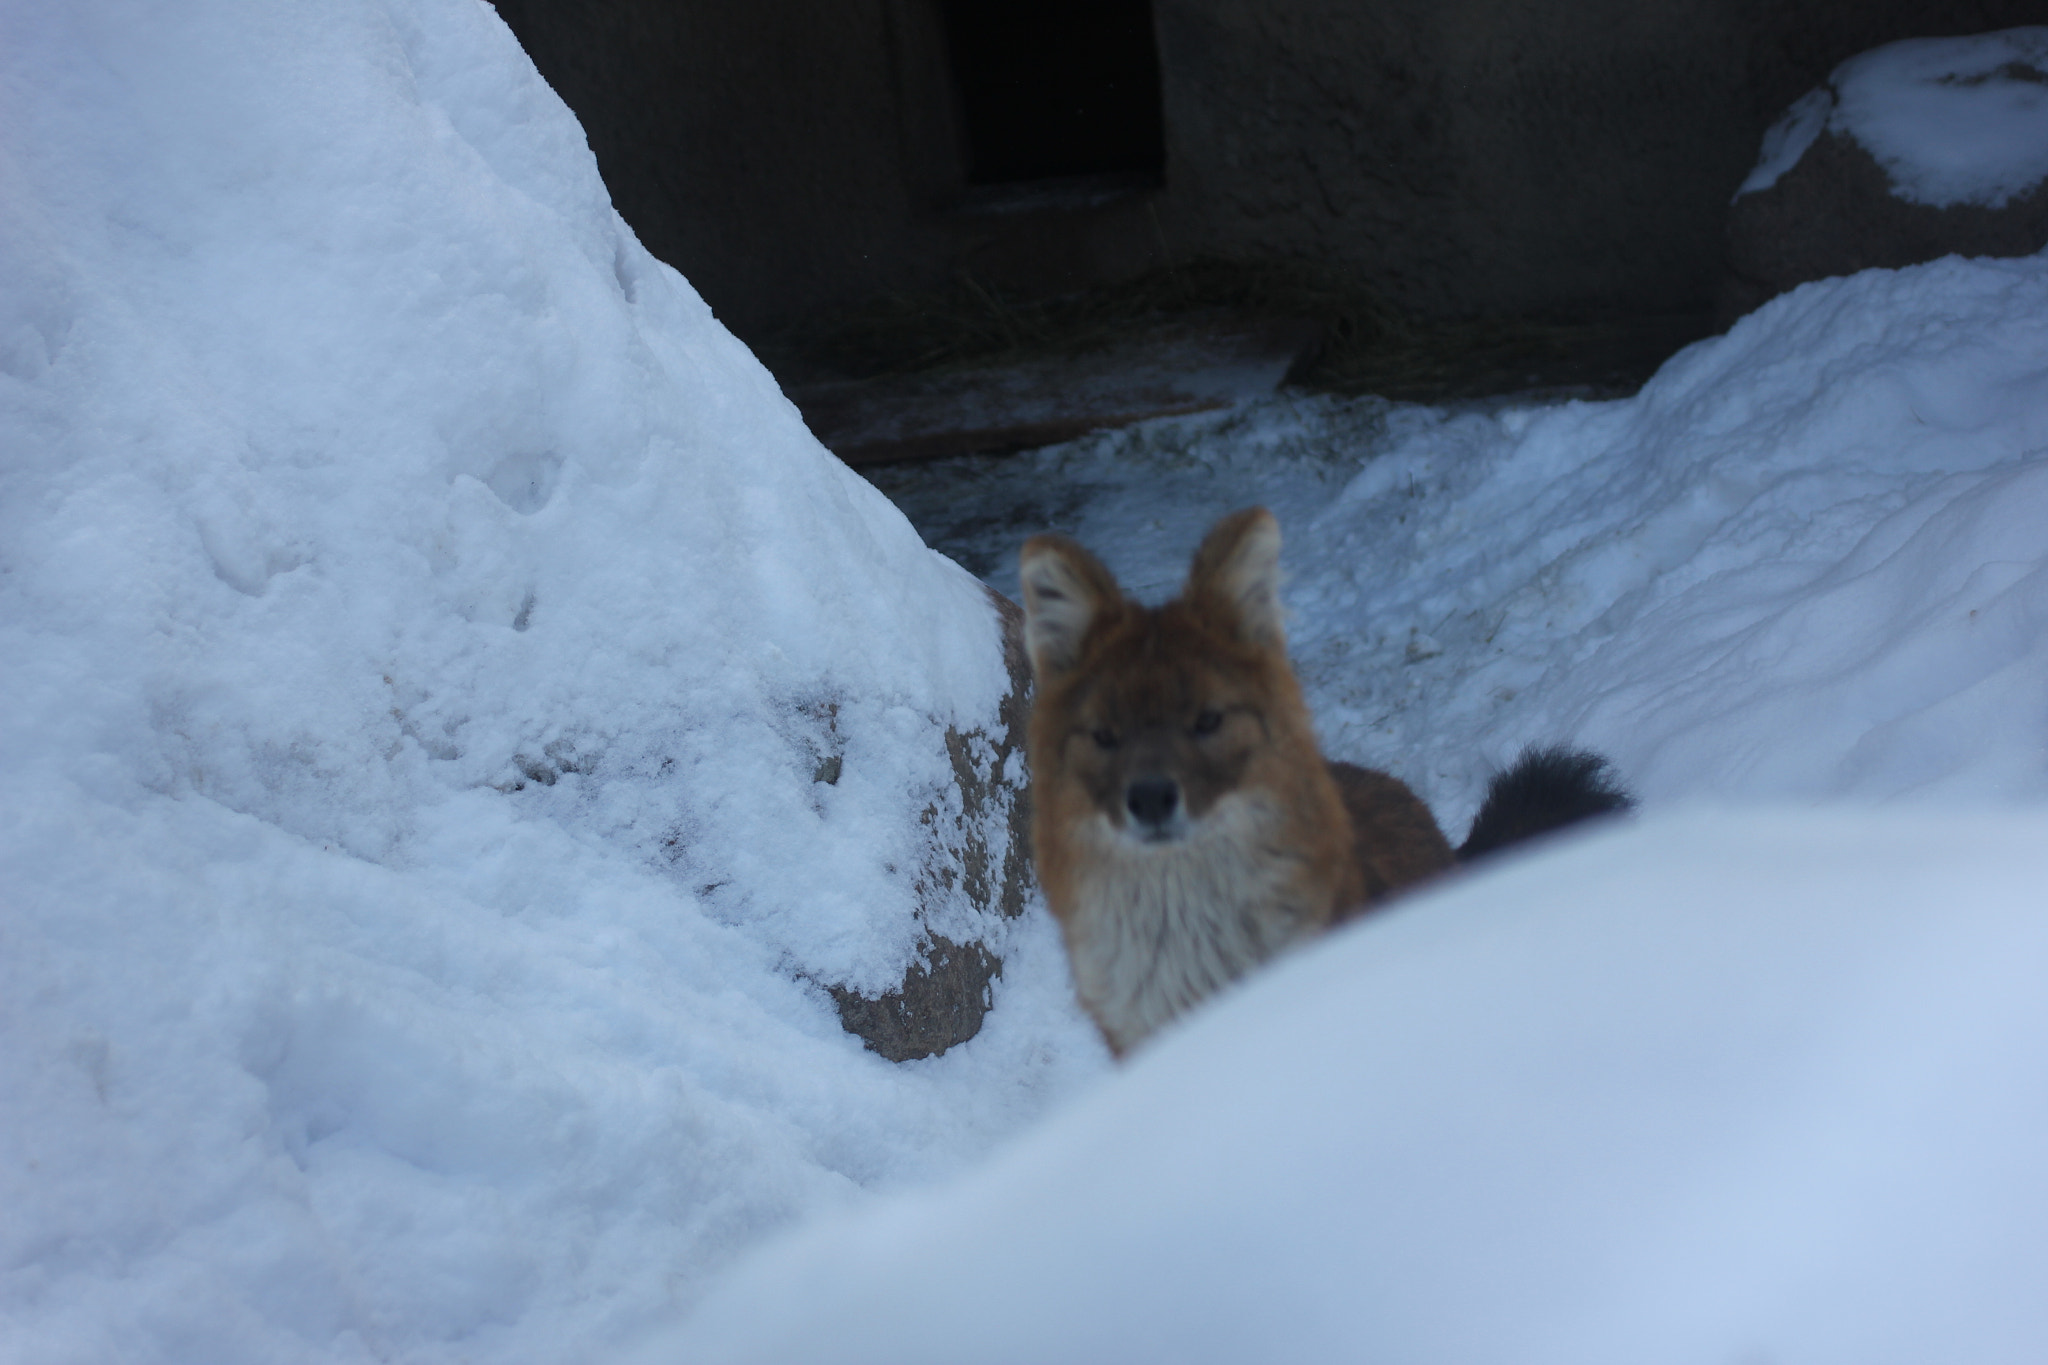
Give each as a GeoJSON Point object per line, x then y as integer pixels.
{"type": "Point", "coordinates": [1053, 89]}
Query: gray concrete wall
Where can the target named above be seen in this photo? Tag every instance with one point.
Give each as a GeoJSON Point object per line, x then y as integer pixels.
{"type": "Point", "coordinates": [754, 146]}
{"type": "Point", "coordinates": [1467, 156]}
{"type": "Point", "coordinates": [1470, 155]}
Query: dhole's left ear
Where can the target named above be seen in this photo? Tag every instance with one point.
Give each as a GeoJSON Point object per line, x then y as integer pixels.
{"type": "Point", "coordinates": [1066, 590]}
{"type": "Point", "coordinates": [1237, 569]}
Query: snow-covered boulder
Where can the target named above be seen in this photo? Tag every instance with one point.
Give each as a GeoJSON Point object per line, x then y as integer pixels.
{"type": "Point", "coordinates": [1911, 151]}
{"type": "Point", "coordinates": [459, 726]}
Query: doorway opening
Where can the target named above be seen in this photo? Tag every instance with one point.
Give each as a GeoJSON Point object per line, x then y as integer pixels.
{"type": "Point", "coordinates": [1057, 89]}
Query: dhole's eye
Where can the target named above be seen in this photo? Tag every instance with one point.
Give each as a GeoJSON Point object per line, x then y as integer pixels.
{"type": "Point", "coordinates": [1105, 739]}
{"type": "Point", "coordinates": [1208, 722]}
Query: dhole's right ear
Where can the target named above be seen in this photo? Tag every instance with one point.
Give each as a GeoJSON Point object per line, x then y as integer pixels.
{"type": "Point", "coordinates": [1066, 590]}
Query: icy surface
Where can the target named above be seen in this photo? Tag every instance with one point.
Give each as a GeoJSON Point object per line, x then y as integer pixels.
{"type": "Point", "coordinates": [421, 627]}
{"type": "Point", "coordinates": [1952, 120]}
{"type": "Point", "coordinates": [1758, 1086]}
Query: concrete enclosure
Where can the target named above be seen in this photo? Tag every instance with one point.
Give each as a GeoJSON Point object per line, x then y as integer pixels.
{"type": "Point", "coordinates": [1465, 157]}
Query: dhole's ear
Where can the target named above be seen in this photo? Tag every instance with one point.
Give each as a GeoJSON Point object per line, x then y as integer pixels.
{"type": "Point", "coordinates": [1066, 590]}
{"type": "Point", "coordinates": [1237, 571]}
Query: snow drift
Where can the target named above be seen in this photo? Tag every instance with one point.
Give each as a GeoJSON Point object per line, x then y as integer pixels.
{"type": "Point", "coordinates": [422, 627]}
{"type": "Point", "coordinates": [1766, 1086]}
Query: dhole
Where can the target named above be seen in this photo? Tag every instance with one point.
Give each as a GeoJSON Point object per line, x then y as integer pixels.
{"type": "Point", "coordinates": [1186, 826]}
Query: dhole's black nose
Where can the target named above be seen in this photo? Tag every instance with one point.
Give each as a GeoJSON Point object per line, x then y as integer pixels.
{"type": "Point", "coordinates": [1151, 800]}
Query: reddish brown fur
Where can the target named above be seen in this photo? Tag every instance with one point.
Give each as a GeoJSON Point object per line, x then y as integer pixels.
{"type": "Point", "coordinates": [1395, 839]}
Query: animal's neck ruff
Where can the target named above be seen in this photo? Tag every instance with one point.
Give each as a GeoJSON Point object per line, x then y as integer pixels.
{"type": "Point", "coordinates": [1155, 928]}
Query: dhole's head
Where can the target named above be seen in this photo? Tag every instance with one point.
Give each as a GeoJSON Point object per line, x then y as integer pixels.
{"type": "Point", "coordinates": [1148, 717]}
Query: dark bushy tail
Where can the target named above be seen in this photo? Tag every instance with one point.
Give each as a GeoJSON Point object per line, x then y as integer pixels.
{"type": "Point", "coordinates": [1546, 789]}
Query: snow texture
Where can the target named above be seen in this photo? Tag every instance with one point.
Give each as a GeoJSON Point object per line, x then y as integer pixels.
{"type": "Point", "coordinates": [1952, 120]}
{"type": "Point", "coordinates": [1756, 1086]}
{"type": "Point", "coordinates": [422, 627]}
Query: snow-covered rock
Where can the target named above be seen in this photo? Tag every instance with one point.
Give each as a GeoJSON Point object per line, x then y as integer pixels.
{"type": "Point", "coordinates": [1910, 151]}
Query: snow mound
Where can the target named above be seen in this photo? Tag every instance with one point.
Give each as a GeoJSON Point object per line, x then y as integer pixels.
{"type": "Point", "coordinates": [1952, 120]}
{"type": "Point", "coordinates": [1803, 563]}
{"type": "Point", "coordinates": [1726, 1086]}
{"type": "Point", "coordinates": [424, 629]}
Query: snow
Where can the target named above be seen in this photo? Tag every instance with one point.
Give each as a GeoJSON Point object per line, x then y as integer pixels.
{"type": "Point", "coordinates": [1952, 120]}
{"type": "Point", "coordinates": [422, 625]}
{"type": "Point", "coordinates": [1758, 1085]}
{"type": "Point", "coordinates": [1787, 140]}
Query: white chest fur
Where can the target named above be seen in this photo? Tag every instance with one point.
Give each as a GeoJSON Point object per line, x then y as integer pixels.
{"type": "Point", "coordinates": [1158, 927]}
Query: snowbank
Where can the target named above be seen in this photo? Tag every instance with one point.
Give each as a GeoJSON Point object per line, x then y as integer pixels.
{"type": "Point", "coordinates": [423, 630]}
{"type": "Point", "coordinates": [1758, 1086]}
{"type": "Point", "coordinates": [1952, 120]}
{"type": "Point", "coordinates": [1804, 563]}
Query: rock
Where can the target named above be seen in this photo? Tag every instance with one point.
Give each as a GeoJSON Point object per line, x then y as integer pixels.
{"type": "Point", "coordinates": [942, 1001]}
{"type": "Point", "coordinates": [1865, 173]}
{"type": "Point", "coordinates": [946, 994]}
{"type": "Point", "coordinates": [1834, 214]}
